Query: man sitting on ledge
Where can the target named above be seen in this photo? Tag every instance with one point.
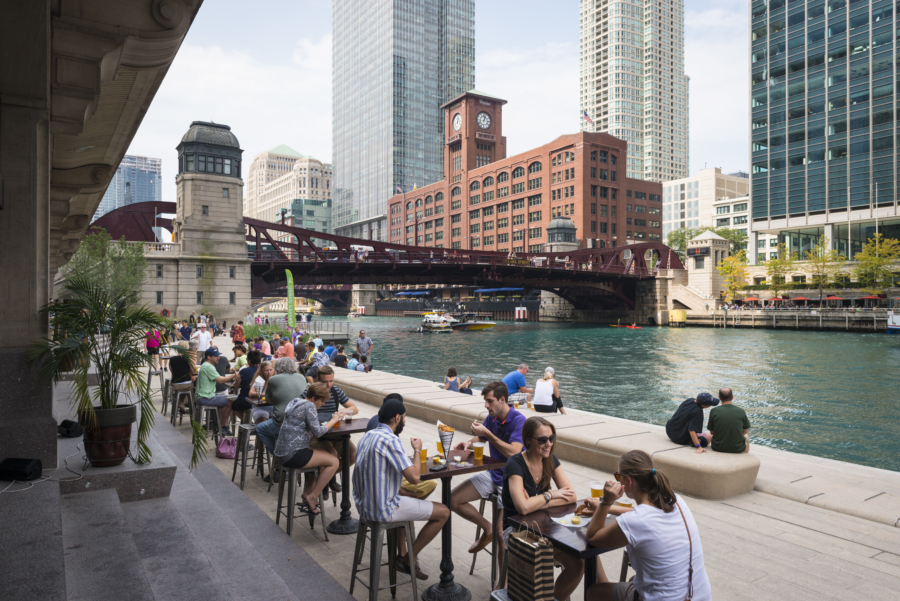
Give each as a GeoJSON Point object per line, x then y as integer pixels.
{"type": "Point", "coordinates": [729, 426]}
{"type": "Point", "coordinates": [686, 424]}
{"type": "Point", "coordinates": [516, 385]}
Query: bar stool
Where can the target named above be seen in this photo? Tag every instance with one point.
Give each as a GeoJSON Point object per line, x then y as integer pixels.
{"type": "Point", "coordinates": [180, 391]}
{"type": "Point", "coordinates": [211, 413]}
{"type": "Point", "coordinates": [495, 517]}
{"type": "Point", "coordinates": [626, 563]}
{"type": "Point", "coordinates": [290, 474]}
{"type": "Point", "coordinates": [375, 545]}
{"type": "Point", "coordinates": [155, 372]}
{"type": "Point", "coordinates": [245, 431]}
{"type": "Point", "coordinates": [166, 394]}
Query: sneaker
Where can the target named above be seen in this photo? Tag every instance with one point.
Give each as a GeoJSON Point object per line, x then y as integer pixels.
{"type": "Point", "coordinates": [402, 566]}
{"type": "Point", "coordinates": [226, 432]}
{"type": "Point", "coordinates": [266, 478]}
{"type": "Point", "coordinates": [335, 486]}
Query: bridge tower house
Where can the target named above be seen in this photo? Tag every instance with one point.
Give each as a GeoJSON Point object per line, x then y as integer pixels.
{"type": "Point", "coordinates": [562, 236]}
{"type": "Point", "coordinates": [212, 266]}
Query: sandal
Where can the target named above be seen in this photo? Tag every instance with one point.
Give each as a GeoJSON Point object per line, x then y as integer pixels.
{"type": "Point", "coordinates": [312, 510]}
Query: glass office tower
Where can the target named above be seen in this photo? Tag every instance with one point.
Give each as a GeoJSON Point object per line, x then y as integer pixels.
{"type": "Point", "coordinates": [137, 179]}
{"type": "Point", "coordinates": [393, 65]}
{"type": "Point", "coordinates": [824, 120]}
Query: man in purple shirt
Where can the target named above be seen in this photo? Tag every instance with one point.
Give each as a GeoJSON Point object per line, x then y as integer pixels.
{"type": "Point", "coordinates": [502, 430]}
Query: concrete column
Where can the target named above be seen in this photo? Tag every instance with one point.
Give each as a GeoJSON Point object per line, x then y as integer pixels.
{"type": "Point", "coordinates": [752, 244]}
{"type": "Point", "coordinates": [829, 235]}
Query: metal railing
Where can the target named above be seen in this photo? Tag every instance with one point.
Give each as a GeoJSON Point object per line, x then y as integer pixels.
{"type": "Point", "coordinates": [327, 328]}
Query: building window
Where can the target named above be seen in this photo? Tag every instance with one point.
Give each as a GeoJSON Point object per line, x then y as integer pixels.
{"type": "Point", "coordinates": [456, 191]}
{"type": "Point", "coordinates": [475, 185]}
{"type": "Point", "coordinates": [455, 204]}
{"type": "Point", "coordinates": [204, 210]}
{"type": "Point", "coordinates": [503, 207]}
{"type": "Point", "coordinates": [159, 271]}
{"type": "Point", "coordinates": [502, 238]}
{"type": "Point", "coordinates": [503, 177]}
{"type": "Point", "coordinates": [502, 192]}
{"type": "Point", "coordinates": [199, 271]}
{"type": "Point", "coordinates": [518, 172]}
{"type": "Point", "coordinates": [232, 272]}
{"type": "Point", "coordinates": [232, 298]}
{"type": "Point", "coordinates": [159, 298]}
{"type": "Point", "coordinates": [224, 192]}
{"type": "Point", "coordinates": [199, 298]}
{"type": "Point", "coordinates": [534, 167]}
{"type": "Point", "coordinates": [518, 188]}
{"type": "Point", "coordinates": [723, 210]}
{"type": "Point", "coordinates": [535, 183]}
{"type": "Point", "coordinates": [488, 181]}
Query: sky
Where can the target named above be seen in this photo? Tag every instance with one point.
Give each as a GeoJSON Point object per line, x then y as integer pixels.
{"type": "Point", "coordinates": [267, 74]}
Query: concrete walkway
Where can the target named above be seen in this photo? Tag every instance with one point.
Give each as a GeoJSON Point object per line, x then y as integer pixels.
{"type": "Point", "coordinates": [756, 546]}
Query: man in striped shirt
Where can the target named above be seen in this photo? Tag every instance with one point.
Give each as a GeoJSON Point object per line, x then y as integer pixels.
{"type": "Point", "coordinates": [381, 464]}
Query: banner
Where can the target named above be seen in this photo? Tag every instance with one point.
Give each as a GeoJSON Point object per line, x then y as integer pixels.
{"type": "Point", "coordinates": [291, 314]}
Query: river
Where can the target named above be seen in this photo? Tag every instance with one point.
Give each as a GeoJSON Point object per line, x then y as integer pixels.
{"type": "Point", "coordinates": [827, 394]}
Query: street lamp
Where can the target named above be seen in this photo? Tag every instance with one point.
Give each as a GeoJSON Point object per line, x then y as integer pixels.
{"type": "Point", "coordinates": [524, 238]}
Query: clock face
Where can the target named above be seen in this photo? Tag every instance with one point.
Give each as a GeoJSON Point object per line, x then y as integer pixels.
{"type": "Point", "coordinates": [484, 120]}
{"type": "Point", "coordinates": [457, 122]}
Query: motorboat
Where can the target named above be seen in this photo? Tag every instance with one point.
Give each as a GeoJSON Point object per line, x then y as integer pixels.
{"type": "Point", "coordinates": [893, 324]}
{"type": "Point", "coordinates": [469, 321]}
{"type": "Point", "coordinates": [435, 323]}
{"type": "Point", "coordinates": [443, 315]}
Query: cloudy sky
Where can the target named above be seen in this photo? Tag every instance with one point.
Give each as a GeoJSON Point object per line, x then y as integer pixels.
{"type": "Point", "coordinates": [266, 72]}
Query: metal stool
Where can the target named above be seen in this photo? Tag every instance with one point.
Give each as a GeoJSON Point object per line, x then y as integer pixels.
{"type": "Point", "coordinates": [375, 545]}
{"type": "Point", "coordinates": [155, 372]}
{"type": "Point", "coordinates": [290, 474]}
{"type": "Point", "coordinates": [626, 563]}
{"type": "Point", "coordinates": [245, 431]}
{"type": "Point", "coordinates": [179, 391]}
{"type": "Point", "coordinates": [166, 394]}
{"type": "Point", "coordinates": [495, 517]}
{"type": "Point", "coordinates": [207, 411]}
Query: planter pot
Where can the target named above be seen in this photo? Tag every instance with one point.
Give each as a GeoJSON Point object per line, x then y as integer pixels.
{"type": "Point", "coordinates": [108, 444]}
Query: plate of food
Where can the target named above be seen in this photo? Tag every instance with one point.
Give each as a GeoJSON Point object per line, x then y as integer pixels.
{"type": "Point", "coordinates": [572, 521]}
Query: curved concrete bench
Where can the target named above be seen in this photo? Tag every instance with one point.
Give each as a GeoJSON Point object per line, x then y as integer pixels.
{"type": "Point", "coordinates": [590, 439]}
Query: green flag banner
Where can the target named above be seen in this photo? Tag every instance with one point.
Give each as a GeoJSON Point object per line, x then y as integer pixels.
{"type": "Point", "coordinates": [292, 320]}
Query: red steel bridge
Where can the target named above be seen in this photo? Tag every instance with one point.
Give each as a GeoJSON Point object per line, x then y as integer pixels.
{"type": "Point", "coordinates": [588, 278]}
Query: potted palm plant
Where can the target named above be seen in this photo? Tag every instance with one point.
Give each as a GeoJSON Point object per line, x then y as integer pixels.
{"type": "Point", "coordinates": [100, 333]}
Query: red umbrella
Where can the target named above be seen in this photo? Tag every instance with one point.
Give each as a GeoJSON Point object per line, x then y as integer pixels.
{"type": "Point", "coordinates": [803, 298]}
{"type": "Point", "coordinates": [870, 297]}
{"type": "Point", "coordinates": [751, 299]}
{"type": "Point", "coordinates": [774, 298]}
{"type": "Point", "coordinates": [833, 298]}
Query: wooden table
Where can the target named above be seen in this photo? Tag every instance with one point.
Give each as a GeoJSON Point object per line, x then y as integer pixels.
{"type": "Point", "coordinates": [342, 431]}
{"type": "Point", "coordinates": [569, 540]}
{"type": "Point", "coordinates": [447, 589]}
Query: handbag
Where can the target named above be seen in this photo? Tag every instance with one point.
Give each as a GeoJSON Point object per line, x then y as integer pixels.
{"type": "Point", "coordinates": [227, 448]}
{"type": "Point", "coordinates": [690, 594]}
{"type": "Point", "coordinates": [530, 567]}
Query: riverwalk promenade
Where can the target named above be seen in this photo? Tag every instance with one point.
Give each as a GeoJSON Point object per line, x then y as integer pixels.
{"type": "Point", "coordinates": [811, 528]}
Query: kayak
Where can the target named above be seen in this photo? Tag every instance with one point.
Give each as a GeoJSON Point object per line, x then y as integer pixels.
{"type": "Point", "coordinates": [634, 327]}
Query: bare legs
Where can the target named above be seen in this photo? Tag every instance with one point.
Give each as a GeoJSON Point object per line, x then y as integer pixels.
{"type": "Point", "coordinates": [328, 465]}
{"type": "Point", "coordinates": [461, 500]}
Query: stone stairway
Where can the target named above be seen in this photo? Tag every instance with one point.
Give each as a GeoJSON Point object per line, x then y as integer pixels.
{"type": "Point", "coordinates": [205, 541]}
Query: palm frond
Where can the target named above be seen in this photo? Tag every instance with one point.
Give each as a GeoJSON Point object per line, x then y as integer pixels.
{"type": "Point", "coordinates": [200, 444]}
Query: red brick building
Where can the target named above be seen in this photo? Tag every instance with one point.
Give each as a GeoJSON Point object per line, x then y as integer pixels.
{"type": "Point", "coordinates": [490, 202]}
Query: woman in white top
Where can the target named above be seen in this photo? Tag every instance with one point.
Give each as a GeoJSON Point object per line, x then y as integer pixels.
{"type": "Point", "coordinates": [258, 390]}
{"type": "Point", "coordinates": [546, 394]}
{"type": "Point", "coordinates": [660, 535]}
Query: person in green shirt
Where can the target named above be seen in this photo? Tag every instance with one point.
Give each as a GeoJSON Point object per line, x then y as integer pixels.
{"type": "Point", "coordinates": [207, 378]}
{"type": "Point", "coordinates": [240, 356]}
{"type": "Point", "coordinates": [728, 426]}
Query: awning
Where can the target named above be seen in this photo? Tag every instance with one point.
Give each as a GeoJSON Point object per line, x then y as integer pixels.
{"type": "Point", "coordinates": [411, 293]}
{"type": "Point", "coordinates": [833, 298]}
{"type": "Point", "coordinates": [752, 299]}
{"type": "Point", "coordinates": [485, 290]}
{"type": "Point", "coordinates": [775, 298]}
{"type": "Point", "coordinates": [870, 297]}
{"type": "Point", "coordinates": [801, 298]}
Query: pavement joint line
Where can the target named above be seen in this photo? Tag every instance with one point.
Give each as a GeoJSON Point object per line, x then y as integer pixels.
{"type": "Point", "coordinates": [873, 496]}
{"type": "Point", "coordinates": [796, 525]}
{"type": "Point", "coordinates": [669, 449]}
{"type": "Point", "coordinates": [619, 436]}
{"type": "Point", "coordinates": [578, 425]}
{"type": "Point", "coordinates": [818, 494]}
{"type": "Point", "coordinates": [799, 479]}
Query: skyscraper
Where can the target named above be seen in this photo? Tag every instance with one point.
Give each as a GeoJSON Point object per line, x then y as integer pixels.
{"type": "Point", "coordinates": [280, 175]}
{"type": "Point", "coordinates": [136, 180]}
{"type": "Point", "coordinates": [633, 84]}
{"type": "Point", "coordinates": [394, 64]}
{"type": "Point", "coordinates": [823, 122]}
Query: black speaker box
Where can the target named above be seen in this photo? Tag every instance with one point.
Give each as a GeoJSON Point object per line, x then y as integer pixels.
{"type": "Point", "coordinates": [22, 470]}
{"type": "Point", "coordinates": [69, 429]}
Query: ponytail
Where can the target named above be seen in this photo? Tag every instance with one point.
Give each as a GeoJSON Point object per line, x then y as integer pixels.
{"type": "Point", "coordinates": [638, 466]}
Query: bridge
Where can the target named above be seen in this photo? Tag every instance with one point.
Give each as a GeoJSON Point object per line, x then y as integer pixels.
{"type": "Point", "coordinates": [595, 278]}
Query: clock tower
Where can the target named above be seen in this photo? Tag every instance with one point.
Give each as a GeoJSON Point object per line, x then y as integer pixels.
{"type": "Point", "coordinates": [474, 133]}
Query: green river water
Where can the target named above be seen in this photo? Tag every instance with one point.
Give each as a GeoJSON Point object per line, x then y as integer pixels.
{"type": "Point", "coordinates": [827, 394]}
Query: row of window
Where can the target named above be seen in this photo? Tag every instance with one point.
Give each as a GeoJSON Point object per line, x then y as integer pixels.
{"type": "Point", "coordinates": [839, 151]}
{"type": "Point", "coordinates": [232, 298]}
{"type": "Point", "coordinates": [232, 271]}
{"type": "Point", "coordinates": [211, 164]}
{"type": "Point", "coordinates": [726, 209]}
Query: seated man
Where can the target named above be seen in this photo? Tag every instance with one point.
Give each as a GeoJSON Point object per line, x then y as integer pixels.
{"type": "Point", "coordinates": [362, 366]}
{"type": "Point", "coordinates": [240, 356]}
{"type": "Point", "coordinates": [353, 362]}
{"type": "Point", "coordinates": [502, 430]}
{"type": "Point", "coordinates": [282, 388]}
{"type": "Point", "coordinates": [338, 400]}
{"type": "Point", "coordinates": [686, 424]}
{"type": "Point", "coordinates": [207, 379]}
{"type": "Point", "coordinates": [376, 482]}
{"type": "Point", "coordinates": [728, 426]}
{"type": "Point", "coordinates": [515, 384]}
{"type": "Point", "coordinates": [320, 358]}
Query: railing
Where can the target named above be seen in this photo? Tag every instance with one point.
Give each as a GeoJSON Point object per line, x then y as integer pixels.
{"type": "Point", "coordinates": [327, 328]}
{"type": "Point", "coordinates": [161, 248]}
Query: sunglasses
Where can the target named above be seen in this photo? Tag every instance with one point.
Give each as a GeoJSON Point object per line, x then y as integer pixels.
{"type": "Point", "coordinates": [545, 439]}
{"type": "Point", "coordinates": [617, 476]}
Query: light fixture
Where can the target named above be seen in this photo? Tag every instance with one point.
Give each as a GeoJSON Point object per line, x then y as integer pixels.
{"type": "Point", "coordinates": [82, 149]}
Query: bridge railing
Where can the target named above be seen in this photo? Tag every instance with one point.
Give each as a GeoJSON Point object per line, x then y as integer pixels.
{"type": "Point", "coordinates": [327, 328]}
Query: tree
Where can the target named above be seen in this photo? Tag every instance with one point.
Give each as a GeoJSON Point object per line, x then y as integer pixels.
{"type": "Point", "coordinates": [116, 266]}
{"type": "Point", "coordinates": [778, 269]}
{"type": "Point", "coordinates": [677, 239]}
{"type": "Point", "coordinates": [874, 264]}
{"type": "Point", "coordinates": [734, 270]}
{"type": "Point", "coordinates": [823, 264]}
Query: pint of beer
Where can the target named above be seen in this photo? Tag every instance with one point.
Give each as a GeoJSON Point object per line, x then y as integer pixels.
{"type": "Point", "coordinates": [424, 453]}
{"type": "Point", "coordinates": [597, 489]}
{"type": "Point", "coordinates": [479, 450]}
{"type": "Point", "coordinates": [440, 448]}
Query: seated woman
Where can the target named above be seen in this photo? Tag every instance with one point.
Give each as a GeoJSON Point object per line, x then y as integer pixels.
{"type": "Point", "coordinates": [526, 489]}
{"type": "Point", "coordinates": [292, 449]}
{"type": "Point", "coordinates": [340, 357]}
{"type": "Point", "coordinates": [660, 535]}
{"type": "Point", "coordinates": [257, 392]}
{"type": "Point", "coordinates": [453, 383]}
{"type": "Point", "coordinates": [546, 394]}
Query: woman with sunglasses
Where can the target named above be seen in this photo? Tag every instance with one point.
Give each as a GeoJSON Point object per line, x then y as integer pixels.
{"type": "Point", "coordinates": [660, 535]}
{"type": "Point", "coordinates": [526, 489]}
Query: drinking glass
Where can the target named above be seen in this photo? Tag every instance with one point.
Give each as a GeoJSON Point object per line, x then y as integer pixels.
{"type": "Point", "coordinates": [479, 450]}
{"type": "Point", "coordinates": [597, 489]}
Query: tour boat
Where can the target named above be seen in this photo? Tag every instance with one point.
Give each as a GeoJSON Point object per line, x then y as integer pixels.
{"type": "Point", "coordinates": [435, 323]}
{"type": "Point", "coordinates": [464, 323]}
{"type": "Point", "coordinates": [893, 324]}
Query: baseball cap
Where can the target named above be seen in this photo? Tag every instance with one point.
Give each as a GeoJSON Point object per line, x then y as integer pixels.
{"type": "Point", "coordinates": [704, 398]}
{"type": "Point", "coordinates": [212, 352]}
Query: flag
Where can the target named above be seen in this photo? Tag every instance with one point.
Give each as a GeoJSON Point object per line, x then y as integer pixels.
{"type": "Point", "coordinates": [291, 317]}
{"type": "Point", "coordinates": [399, 189]}
{"type": "Point", "coordinates": [587, 118]}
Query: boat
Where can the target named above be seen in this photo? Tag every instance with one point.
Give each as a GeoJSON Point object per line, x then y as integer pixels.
{"type": "Point", "coordinates": [435, 323]}
{"type": "Point", "coordinates": [469, 321]}
{"type": "Point", "coordinates": [615, 325]}
{"type": "Point", "coordinates": [353, 314]}
{"type": "Point", "coordinates": [893, 324]}
{"type": "Point", "coordinates": [442, 314]}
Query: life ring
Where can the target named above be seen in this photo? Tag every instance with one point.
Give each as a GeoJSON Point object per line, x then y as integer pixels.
{"type": "Point", "coordinates": [164, 312]}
